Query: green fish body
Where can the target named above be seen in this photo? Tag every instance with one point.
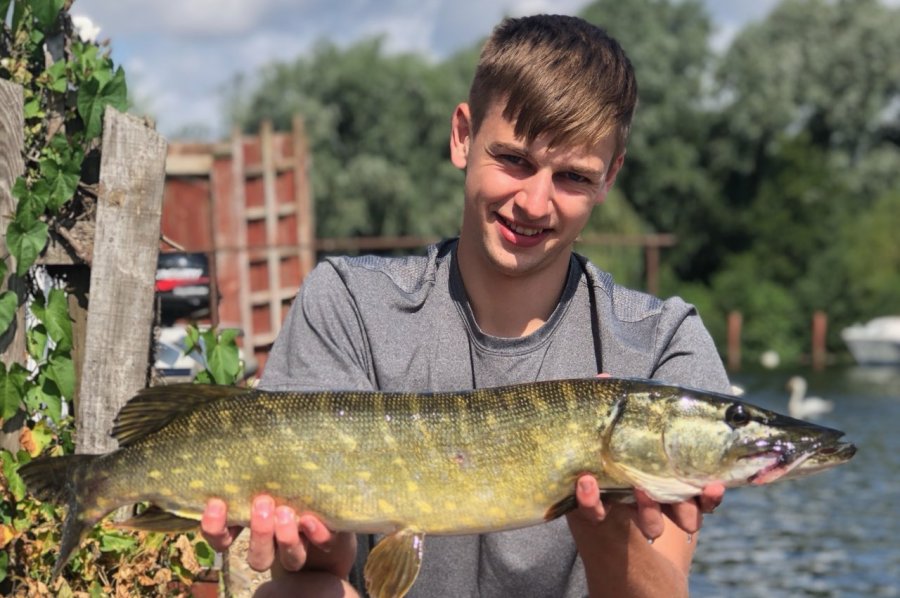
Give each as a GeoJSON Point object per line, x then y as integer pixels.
{"type": "Point", "coordinates": [407, 465]}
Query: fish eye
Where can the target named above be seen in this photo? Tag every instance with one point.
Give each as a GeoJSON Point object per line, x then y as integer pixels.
{"type": "Point", "coordinates": [736, 417]}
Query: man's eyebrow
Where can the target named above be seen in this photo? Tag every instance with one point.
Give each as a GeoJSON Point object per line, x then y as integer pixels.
{"type": "Point", "coordinates": [499, 147]}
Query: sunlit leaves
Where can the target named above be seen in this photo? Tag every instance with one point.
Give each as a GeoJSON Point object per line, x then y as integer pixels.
{"type": "Point", "coordinates": [98, 93]}
{"type": "Point", "coordinates": [12, 389]}
{"type": "Point", "coordinates": [220, 354]}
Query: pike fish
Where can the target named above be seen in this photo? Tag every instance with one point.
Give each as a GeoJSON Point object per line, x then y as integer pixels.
{"type": "Point", "coordinates": [406, 465]}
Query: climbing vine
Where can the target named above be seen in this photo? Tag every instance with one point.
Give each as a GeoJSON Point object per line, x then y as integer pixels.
{"type": "Point", "coordinates": [67, 84]}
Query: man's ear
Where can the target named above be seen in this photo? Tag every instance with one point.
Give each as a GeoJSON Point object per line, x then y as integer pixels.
{"type": "Point", "coordinates": [460, 135]}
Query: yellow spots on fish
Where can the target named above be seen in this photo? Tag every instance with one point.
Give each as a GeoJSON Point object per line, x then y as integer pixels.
{"type": "Point", "coordinates": [399, 462]}
{"type": "Point", "coordinates": [246, 477]}
{"type": "Point", "coordinates": [178, 471]}
{"type": "Point", "coordinates": [539, 498]}
{"type": "Point", "coordinates": [411, 486]}
{"type": "Point", "coordinates": [103, 503]}
{"type": "Point", "coordinates": [166, 492]}
{"type": "Point", "coordinates": [491, 420]}
{"type": "Point", "coordinates": [273, 485]}
{"type": "Point", "coordinates": [496, 512]}
{"type": "Point", "coordinates": [222, 463]}
{"type": "Point", "coordinates": [309, 466]}
{"type": "Point", "coordinates": [573, 427]}
{"type": "Point", "coordinates": [390, 441]}
{"type": "Point", "coordinates": [155, 474]}
{"type": "Point", "coordinates": [260, 460]}
{"type": "Point", "coordinates": [449, 505]}
{"type": "Point", "coordinates": [186, 456]}
{"type": "Point", "coordinates": [348, 441]}
{"type": "Point", "coordinates": [385, 507]}
{"type": "Point", "coordinates": [295, 476]}
{"type": "Point", "coordinates": [133, 495]}
{"type": "Point", "coordinates": [364, 475]}
{"type": "Point", "coordinates": [231, 489]}
{"type": "Point", "coordinates": [424, 507]}
{"type": "Point", "coordinates": [327, 488]}
{"type": "Point", "coordinates": [196, 484]}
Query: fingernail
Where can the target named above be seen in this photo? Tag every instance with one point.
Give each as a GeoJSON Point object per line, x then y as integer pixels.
{"type": "Point", "coordinates": [215, 508]}
{"type": "Point", "coordinates": [309, 527]}
{"type": "Point", "coordinates": [284, 515]}
{"type": "Point", "coordinates": [263, 506]}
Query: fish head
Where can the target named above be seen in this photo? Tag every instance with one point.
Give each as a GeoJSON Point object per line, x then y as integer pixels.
{"type": "Point", "coordinates": [715, 438]}
{"type": "Point", "coordinates": [671, 442]}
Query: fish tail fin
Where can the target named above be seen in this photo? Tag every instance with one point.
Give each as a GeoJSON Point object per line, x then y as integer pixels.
{"type": "Point", "coordinates": [66, 481]}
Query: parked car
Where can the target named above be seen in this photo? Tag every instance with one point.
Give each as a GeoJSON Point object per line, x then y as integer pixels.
{"type": "Point", "coordinates": [182, 286]}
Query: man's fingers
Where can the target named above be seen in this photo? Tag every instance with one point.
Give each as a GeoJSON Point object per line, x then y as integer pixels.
{"type": "Point", "coordinates": [213, 525]}
{"type": "Point", "coordinates": [711, 497]}
{"type": "Point", "coordinates": [685, 515]}
{"type": "Point", "coordinates": [590, 507]}
{"type": "Point", "coordinates": [649, 516]}
{"type": "Point", "coordinates": [261, 551]}
{"type": "Point", "coordinates": [291, 547]}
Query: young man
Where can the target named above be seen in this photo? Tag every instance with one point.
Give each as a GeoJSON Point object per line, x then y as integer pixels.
{"type": "Point", "coordinates": [541, 141]}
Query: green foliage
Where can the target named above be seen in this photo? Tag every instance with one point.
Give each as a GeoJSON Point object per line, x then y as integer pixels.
{"type": "Point", "coordinates": [65, 96]}
{"type": "Point", "coordinates": [219, 352]}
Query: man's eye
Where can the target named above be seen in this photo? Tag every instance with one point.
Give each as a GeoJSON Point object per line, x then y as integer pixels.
{"type": "Point", "coordinates": [512, 159]}
{"type": "Point", "coordinates": [576, 178]}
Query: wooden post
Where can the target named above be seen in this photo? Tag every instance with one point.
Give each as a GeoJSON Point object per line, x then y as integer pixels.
{"type": "Point", "coordinates": [735, 322]}
{"type": "Point", "coordinates": [126, 244]}
{"type": "Point", "coordinates": [306, 215]}
{"type": "Point", "coordinates": [273, 251]}
{"type": "Point", "coordinates": [819, 331]}
{"type": "Point", "coordinates": [12, 142]}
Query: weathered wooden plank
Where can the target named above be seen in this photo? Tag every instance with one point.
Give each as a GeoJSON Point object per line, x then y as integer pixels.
{"type": "Point", "coordinates": [117, 343]}
{"type": "Point", "coordinates": [306, 221]}
{"type": "Point", "coordinates": [12, 141]}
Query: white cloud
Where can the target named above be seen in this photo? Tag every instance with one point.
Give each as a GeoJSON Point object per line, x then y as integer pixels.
{"type": "Point", "coordinates": [180, 54]}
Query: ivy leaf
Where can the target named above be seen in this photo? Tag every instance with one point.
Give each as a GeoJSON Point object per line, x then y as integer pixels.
{"type": "Point", "coordinates": [94, 96]}
{"type": "Point", "coordinates": [116, 542]}
{"type": "Point", "coordinates": [61, 183]}
{"type": "Point", "coordinates": [12, 389]}
{"type": "Point", "coordinates": [26, 237]}
{"type": "Point", "coordinates": [61, 371]}
{"type": "Point", "coordinates": [11, 473]}
{"type": "Point", "coordinates": [36, 341]}
{"type": "Point", "coordinates": [56, 74]}
{"type": "Point", "coordinates": [9, 304]}
{"type": "Point", "coordinates": [46, 11]}
{"type": "Point", "coordinates": [57, 320]}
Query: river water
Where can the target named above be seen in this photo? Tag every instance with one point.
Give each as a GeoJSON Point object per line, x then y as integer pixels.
{"type": "Point", "coordinates": [833, 534]}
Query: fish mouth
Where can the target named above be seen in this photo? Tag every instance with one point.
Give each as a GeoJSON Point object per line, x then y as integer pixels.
{"type": "Point", "coordinates": [787, 457]}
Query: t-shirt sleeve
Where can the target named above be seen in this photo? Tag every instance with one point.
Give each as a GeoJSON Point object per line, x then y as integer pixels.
{"type": "Point", "coordinates": [688, 354]}
{"type": "Point", "coordinates": [322, 344]}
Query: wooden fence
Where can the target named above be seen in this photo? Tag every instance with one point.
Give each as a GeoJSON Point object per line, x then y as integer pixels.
{"type": "Point", "coordinates": [112, 340]}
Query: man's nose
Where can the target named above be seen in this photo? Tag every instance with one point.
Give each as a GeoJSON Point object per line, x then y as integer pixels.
{"type": "Point", "coordinates": [534, 197]}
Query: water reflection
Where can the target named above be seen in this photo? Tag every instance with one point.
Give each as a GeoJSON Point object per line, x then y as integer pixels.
{"type": "Point", "coordinates": [833, 534]}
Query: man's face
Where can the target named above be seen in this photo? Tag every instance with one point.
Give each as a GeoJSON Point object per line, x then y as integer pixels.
{"type": "Point", "coordinates": [525, 203]}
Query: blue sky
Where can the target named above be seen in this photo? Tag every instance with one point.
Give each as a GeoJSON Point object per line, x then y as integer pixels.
{"type": "Point", "coordinates": [180, 54]}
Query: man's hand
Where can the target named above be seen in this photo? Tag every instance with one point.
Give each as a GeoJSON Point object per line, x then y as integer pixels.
{"type": "Point", "coordinates": [281, 538]}
{"type": "Point", "coordinates": [687, 515]}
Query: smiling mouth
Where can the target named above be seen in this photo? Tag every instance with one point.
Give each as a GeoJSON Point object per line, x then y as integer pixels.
{"type": "Point", "coordinates": [525, 231]}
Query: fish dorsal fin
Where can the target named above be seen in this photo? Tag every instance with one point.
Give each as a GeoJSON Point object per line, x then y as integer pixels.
{"type": "Point", "coordinates": [155, 519]}
{"type": "Point", "coordinates": [393, 564]}
{"type": "Point", "coordinates": [154, 408]}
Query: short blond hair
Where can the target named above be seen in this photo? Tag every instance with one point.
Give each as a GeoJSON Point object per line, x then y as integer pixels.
{"type": "Point", "coordinates": [558, 75]}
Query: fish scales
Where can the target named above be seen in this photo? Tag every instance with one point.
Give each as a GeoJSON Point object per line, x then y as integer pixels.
{"type": "Point", "coordinates": [406, 464]}
{"type": "Point", "coordinates": [373, 463]}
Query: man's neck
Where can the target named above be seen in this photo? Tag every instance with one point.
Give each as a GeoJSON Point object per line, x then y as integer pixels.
{"type": "Point", "coordinates": [511, 306]}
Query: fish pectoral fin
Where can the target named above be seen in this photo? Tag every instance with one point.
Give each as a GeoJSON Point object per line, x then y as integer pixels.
{"type": "Point", "coordinates": [155, 519]}
{"type": "Point", "coordinates": [560, 508]}
{"type": "Point", "coordinates": [394, 563]}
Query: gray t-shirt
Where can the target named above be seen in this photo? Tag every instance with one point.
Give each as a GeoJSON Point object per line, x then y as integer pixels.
{"type": "Point", "coordinates": [405, 324]}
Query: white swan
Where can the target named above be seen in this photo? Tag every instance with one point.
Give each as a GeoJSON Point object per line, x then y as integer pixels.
{"type": "Point", "coordinates": [801, 406]}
